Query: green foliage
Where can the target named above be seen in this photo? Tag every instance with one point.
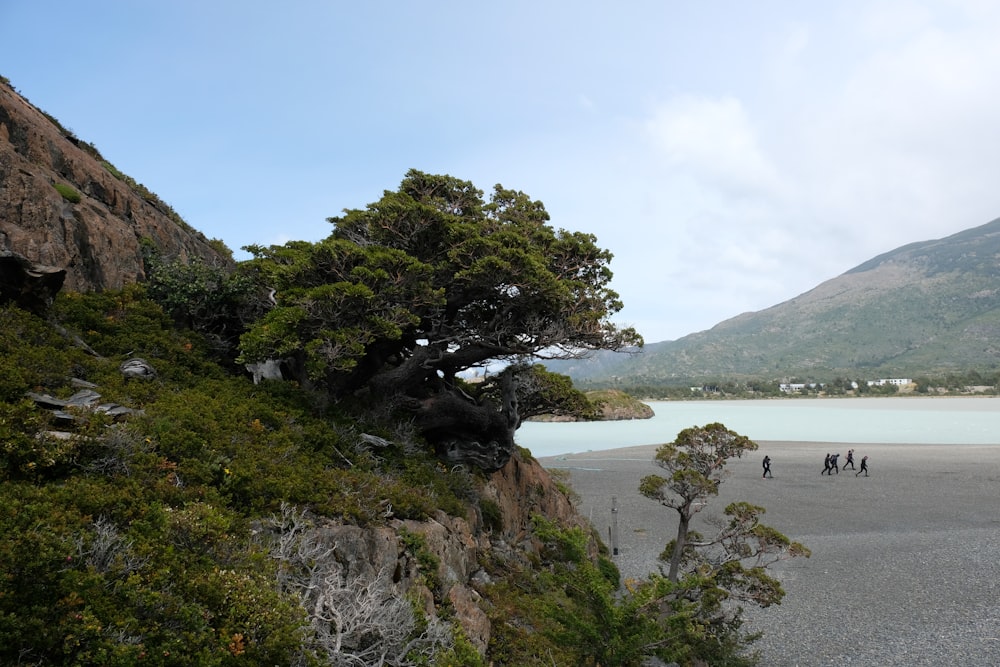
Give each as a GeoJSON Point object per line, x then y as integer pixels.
{"type": "Point", "coordinates": [340, 298]}
{"type": "Point", "coordinates": [139, 541]}
{"type": "Point", "coordinates": [113, 170]}
{"type": "Point", "coordinates": [491, 513]}
{"type": "Point", "coordinates": [571, 612]}
{"type": "Point", "coordinates": [79, 590]}
{"type": "Point", "coordinates": [208, 299]}
{"type": "Point", "coordinates": [462, 653]}
{"type": "Point", "coordinates": [33, 357]}
{"type": "Point", "coordinates": [685, 622]}
{"type": "Point", "coordinates": [134, 541]}
{"type": "Point", "coordinates": [545, 393]}
{"type": "Point", "coordinates": [68, 192]}
{"type": "Point", "coordinates": [416, 545]}
{"type": "Point", "coordinates": [220, 247]}
{"type": "Point", "coordinates": [29, 450]}
{"type": "Point", "coordinates": [730, 566]}
{"type": "Point", "coordinates": [427, 282]}
{"type": "Point", "coordinates": [126, 322]}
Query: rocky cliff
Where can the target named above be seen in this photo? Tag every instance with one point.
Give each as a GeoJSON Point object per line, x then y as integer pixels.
{"type": "Point", "coordinates": [63, 206]}
{"type": "Point", "coordinates": [461, 547]}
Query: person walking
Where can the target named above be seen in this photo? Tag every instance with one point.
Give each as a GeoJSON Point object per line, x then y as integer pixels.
{"type": "Point", "coordinates": [767, 467]}
{"type": "Point", "coordinates": [833, 464]}
{"type": "Point", "coordinates": [864, 467]}
{"type": "Point", "coordinates": [826, 465]}
{"type": "Point", "coordinates": [849, 460]}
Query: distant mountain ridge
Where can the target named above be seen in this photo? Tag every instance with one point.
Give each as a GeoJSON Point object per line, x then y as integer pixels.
{"type": "Point", "coordinates": [926, 307]}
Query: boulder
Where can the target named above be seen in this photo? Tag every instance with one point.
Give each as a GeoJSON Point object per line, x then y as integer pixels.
{"type": "Point", "coordinates": [137, 368]}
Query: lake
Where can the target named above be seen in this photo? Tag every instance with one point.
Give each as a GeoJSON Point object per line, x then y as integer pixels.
{"type": "Point", "coordinates": [889, 420]}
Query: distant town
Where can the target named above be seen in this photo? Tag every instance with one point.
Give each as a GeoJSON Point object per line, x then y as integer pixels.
{"type": "Point", "coordinates": [793, 387]}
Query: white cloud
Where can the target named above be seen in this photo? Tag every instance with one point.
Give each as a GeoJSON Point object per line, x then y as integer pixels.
{"type": "Point", "coordinates": [908, 144]}
{"type": "Point", "coordinates": [714, 140]}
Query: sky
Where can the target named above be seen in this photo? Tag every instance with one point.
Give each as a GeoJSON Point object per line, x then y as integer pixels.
{"type": "Point", "coordinates": [730, 154]}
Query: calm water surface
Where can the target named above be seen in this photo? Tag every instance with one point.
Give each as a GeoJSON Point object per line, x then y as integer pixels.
{"type": "Point", "coordinates": [912, 420]}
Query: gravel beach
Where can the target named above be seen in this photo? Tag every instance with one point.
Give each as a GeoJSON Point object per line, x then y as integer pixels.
{"type": "Point", "coordinates": [905, 566]}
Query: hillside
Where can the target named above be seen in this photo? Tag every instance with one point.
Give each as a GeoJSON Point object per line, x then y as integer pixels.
{"type": "Point", "coordinates": [63, 205]}
{"type": "Point", "coordinates": [190, 513]}
{"type": "Point", "coordinates": [927, 307]}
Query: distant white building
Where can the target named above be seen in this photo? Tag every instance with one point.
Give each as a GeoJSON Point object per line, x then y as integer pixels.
{"type": "Point", "coordinates": [791, 387]}
{"type": "Point", "coordinates": [899, 382]}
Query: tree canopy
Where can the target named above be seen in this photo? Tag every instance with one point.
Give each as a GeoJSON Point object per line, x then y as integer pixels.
{"type": "Point", "coordinates": [429, 281]}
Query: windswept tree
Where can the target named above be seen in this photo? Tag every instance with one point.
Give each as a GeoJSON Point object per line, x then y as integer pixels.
{"type": "Point", "coordinates": [742, 547]}
{"type": "Point", "coordinates": [708, 574]}
{"type": "Point", "coordinates": [429, 281]}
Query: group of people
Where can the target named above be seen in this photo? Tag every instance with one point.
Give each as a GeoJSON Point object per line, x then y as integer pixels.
{"type": "Point", "coordinates": [830, 465]}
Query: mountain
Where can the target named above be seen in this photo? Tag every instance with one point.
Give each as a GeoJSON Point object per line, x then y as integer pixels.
{"type": "Point", "coordinates": [63, 205]}
{"type": "Point", "coordinates": [924, 308]}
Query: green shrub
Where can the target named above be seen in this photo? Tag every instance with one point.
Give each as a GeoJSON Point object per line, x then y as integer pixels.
{"type": "Point", "coordinates": [428, 564]}
{"type": "Point", "coordinates": [68, 193]}
{"type": "Point", "coordinates": [28, 449]}
{"type": "Point", "coordinates": [461, 654]}
{"type": "Point", "coordinates": [220, 247]}
{"type": "Point", "coordinates": [113, 170]}
{"type": "Point", "coordinates": [33, 357]}
{"type": "Point", "coordinates": [491, 513]}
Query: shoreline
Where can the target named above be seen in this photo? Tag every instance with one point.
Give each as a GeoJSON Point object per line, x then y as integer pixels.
{"type": "Point", "coordinates": [885, 420]}
{"type": "Point", "coordinates": [900, 558]}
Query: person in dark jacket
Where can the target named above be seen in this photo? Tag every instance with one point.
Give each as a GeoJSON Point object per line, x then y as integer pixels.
{"type": "Point", "coordinates": [767, 466]}
{"type": "Point", "coordinates": [864, 467]}
{"type": "Point", "coordinates": [849, 460]}
{"type": "Point", "coordinates": [826, 465]}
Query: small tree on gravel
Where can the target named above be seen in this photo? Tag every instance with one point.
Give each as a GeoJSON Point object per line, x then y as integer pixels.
{"type": "Point", "coordinates": [709, 576]}
{"type": "Point", "coordinates": [742, 548]}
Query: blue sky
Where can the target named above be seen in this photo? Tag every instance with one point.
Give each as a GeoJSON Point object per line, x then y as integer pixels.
{"type": "Point", "coordinates": [731, 154]}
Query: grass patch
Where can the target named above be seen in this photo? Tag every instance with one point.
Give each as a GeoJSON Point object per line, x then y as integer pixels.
{"type": "Point", "coordinates": [68, 192]}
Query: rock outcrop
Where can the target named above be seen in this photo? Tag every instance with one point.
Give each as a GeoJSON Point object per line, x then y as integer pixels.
{"type": "Point", "coordinates": [30, 286]}
{"type": "Point", "coordinates": [459, 547]}
{"type": "Point", "coordinates": [92, 225]}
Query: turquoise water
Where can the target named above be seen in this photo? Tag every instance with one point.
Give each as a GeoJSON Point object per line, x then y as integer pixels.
{"type": "Point", "coordinates": [913, 420]}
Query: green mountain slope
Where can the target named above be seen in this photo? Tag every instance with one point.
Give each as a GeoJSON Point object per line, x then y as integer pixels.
{"type": "Point", "coordinates": [926, 307]}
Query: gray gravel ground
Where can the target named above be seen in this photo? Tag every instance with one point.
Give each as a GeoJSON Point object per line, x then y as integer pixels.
{"type": "Point", "coordinates": [905, 566]}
